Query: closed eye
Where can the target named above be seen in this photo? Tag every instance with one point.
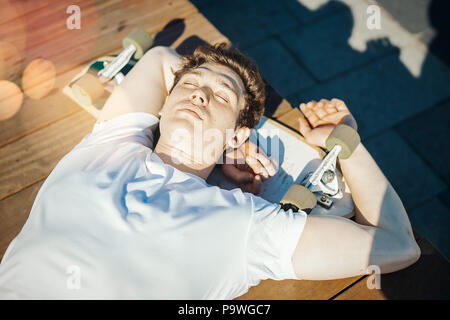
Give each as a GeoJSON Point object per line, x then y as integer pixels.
{"type": "Point", "coordinates": [222, 98]}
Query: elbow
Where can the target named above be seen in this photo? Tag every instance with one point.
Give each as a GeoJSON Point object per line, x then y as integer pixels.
{"type": "Point", "coordinates": [408, 255]}
{"type": "Point", "coordinates": [415, 251]}
{"type": "Point", "coordinates": [402, 254]}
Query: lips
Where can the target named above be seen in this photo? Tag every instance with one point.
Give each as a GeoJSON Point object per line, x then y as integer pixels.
{"type": "Point", "coordinates": [195, 111]}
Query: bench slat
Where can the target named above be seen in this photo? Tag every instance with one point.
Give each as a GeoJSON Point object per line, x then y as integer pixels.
{"type": "Point", "coordinates": [35, 114]}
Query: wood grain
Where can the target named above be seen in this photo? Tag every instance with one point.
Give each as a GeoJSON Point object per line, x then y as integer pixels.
{"type": "Point", "coordinates": [14, 212]}
{"type": "Point", "coordinates": [32, 158]}
{"type": "Point", "coordinates": [297, 289]}
{"type": "Point", "coordinates": [36, 114]}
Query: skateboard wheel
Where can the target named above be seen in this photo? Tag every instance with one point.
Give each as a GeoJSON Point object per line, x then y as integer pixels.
{"type": "Point", "coordinates": [346, 137]}
{"type": "Point", "coordinates": [87, 89]}
{"type": "Point", "coordinates": [141, 39]}
{"type": "Point", "coordinates": [300, 197]}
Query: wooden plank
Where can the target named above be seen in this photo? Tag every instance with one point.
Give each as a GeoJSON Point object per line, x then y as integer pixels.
{"type": "Point", "coordinates": [428, 278]}
{"type": "Point", "coordinates": [105, 34]}
{"type": "Point", "coordinates": [43, 33]}
{"type": "Point", "coordinates": [14, 212]}
{"type": "Point", "coordinates": [281, 109]}
{"type": "Point", "coordinates": [297, 289]}
{"type": "Point", "coordinates": [32, 158]}
{"type": "Point", "coordinates": [290, 118]}
{"type": "Point", "coordinates": [44, 25]}
{"type": "Point", "coordinates": [14, 9]}
{"type": "Point", "coordinates": [35, 114]}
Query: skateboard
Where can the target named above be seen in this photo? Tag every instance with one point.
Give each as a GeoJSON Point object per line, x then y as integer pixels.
{"type": "Point", "coordinates": [307, 177]}
{"type": "Point", "coordinates": [93, 85]}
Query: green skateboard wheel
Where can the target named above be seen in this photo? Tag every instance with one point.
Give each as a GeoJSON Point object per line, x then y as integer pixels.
{"type": "Point", "coordinates": [300, 197]}
{"type": "Point", "coordinates": [346, 137]}
{"type": "Point", "coordinates": [141, 39]}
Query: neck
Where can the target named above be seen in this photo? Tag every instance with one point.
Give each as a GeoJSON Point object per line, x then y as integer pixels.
{"type": "Point", "coordinates": [183, 161]}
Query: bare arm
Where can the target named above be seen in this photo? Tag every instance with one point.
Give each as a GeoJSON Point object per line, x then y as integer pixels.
{"type": "Point", "coordinates": [333, 247]}
{"type": "Point", "coordinates": [145, 87]}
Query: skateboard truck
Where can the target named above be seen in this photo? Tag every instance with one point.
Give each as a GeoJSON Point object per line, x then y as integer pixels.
{"type": "Point", "coordinates": [322, 184]}
{"type": "Point", "coordinates": [89, 89]}
{"type": "Point", "coordinates": [135, 44]}
{"type": "Point", "coordinates": [323, 181]}
{"type": "Point", "coordinates": [113, 68]}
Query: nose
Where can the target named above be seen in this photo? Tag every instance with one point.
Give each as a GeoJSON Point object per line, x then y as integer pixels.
{"type": "Point", "coordinates": [199, 97]}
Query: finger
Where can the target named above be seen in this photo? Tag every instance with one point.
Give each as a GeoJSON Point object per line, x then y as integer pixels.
{"type": "Point", "coordinates": [255, 186]}
{"type": "Point", "coordinates": [304, 126]}
{"type": "Point", "coordinates": [336, 117]}
{"type": "Point", "coordinates": [267, 164]}
{"type": "Point", "coordinates": [263, 161]}
{"type": "Point", "coordinates": [237, 176]}
{"type": "Point", "coordinates": [331, 108]}
{"type": "Point", "coordinates": [257, 166]}
{"type": "Point", "coordinates": [340, 105]}
{"type": "Point", "coordinates": [313, 119]}
{"type": "Point", "coordinates": [310, 105]}
{"type": "Point", "coordinates": [320, 112]}
{"type": "Point", "coordinates": [303, 107]}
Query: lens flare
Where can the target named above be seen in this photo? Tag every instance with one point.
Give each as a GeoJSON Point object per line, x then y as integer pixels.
{"type": "Point", "coordinates": [11, 98]}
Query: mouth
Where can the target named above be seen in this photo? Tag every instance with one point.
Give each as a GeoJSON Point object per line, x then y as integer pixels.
{"type": "Point", "coordinates": [194, 111]}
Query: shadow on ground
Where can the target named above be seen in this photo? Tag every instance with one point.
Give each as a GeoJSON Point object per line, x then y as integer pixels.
{"type": "Point", "coordinates": [404, 120]}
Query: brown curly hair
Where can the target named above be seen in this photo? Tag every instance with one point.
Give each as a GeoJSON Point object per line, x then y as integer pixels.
{"type": "Point", "coordinates": [224, 54]}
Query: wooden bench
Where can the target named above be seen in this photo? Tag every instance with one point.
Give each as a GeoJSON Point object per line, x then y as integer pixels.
{"type": "Point", "coordinates": [43, 131]}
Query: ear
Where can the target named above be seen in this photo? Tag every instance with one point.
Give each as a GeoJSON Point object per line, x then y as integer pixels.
{"type": "Point", "coordinates": [240, 135]}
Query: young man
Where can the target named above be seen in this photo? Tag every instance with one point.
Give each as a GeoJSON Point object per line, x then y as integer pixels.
{"type": "Point", "coordinates": [121, 218]}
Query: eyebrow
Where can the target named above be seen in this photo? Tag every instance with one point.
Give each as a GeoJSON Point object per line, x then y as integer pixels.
{"type": "Point", "coordinates": [221, 82]}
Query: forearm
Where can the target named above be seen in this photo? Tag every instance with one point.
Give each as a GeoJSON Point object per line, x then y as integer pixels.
{"type": "Point", "coordinates": [376, 202]}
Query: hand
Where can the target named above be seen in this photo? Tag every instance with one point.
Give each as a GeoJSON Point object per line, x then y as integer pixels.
{"type": "Point", "coordinates": [247, 167]}
{"type": "Point", "coordinates": [321, 118]}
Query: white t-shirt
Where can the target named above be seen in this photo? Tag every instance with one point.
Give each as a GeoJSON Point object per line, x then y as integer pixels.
{"type": "Point", "coordinates": [112, 221]}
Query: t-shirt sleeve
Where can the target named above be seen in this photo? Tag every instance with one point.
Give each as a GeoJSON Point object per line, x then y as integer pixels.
{"type": "Point", "coordinates": [138, 127]}
{"type": "Point", "coordinates": [272, 238]}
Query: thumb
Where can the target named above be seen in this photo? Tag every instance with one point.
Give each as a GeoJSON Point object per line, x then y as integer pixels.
{"type": "Point", "coordinates": [304, 126]}
{"type": "Point", "coordinates": [235, 175]}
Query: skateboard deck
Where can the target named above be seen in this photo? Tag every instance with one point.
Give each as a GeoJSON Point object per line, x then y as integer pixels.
{"type": "Point", "coordinates": [296, 159]}
{"type": "Point", "coordinates": [95, 107]}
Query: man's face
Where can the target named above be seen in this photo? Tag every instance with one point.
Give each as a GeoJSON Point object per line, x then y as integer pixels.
{"type": "Point", "coordinates": [203, 108]}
